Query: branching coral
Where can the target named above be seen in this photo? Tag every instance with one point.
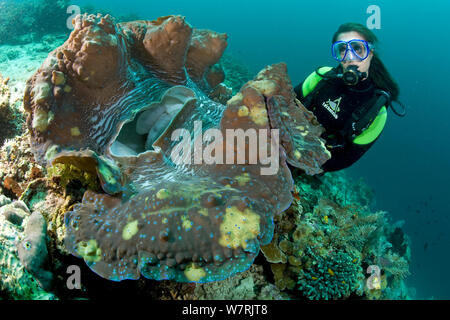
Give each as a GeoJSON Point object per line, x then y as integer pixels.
{"type": "Point", "coordinates": [333, 275]}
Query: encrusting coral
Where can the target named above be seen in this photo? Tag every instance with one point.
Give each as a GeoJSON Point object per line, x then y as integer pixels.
{"type": "Point", "coordinates": [108, 101]}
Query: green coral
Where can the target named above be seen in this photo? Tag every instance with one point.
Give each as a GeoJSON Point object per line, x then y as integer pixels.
{"type": "Point", "coordinates": [68, 172]}
{"type": "Point", "coordinates": [332, 275]}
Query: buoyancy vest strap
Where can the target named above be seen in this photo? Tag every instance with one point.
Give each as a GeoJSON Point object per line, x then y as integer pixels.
{"type": "Point", "coordinates": [312, 80]}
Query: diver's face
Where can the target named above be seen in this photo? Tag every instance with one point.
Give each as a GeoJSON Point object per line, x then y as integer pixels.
{"type": "Point", "coordinates": [363, 66]}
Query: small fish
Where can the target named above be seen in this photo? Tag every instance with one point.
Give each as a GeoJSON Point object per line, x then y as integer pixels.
{"type": "Point", "coordinates": [331, 272]}
{"type": "Point", "coordinates": [425, 246]}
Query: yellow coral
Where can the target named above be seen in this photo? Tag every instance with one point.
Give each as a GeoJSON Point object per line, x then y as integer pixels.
{"type": "Point", "coordinates": [68, 172]}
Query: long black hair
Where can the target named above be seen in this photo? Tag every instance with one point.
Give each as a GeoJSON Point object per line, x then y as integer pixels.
{"type": "Point", "coordinates": [377, 71]}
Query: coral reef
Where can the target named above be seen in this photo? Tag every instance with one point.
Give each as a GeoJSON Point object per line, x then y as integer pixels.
{"type": "Point", "coordinates": [14, 212]}
{"type": "Point", "coordinates": [92, 9]}
{"type": "Point", "coordinates": [17, 167]}
{"type": "Point", "coordinates": [32, 250]}
{"type": "Point", "coordinates": [248, 285]}
{"type": "Point", "coordinates": [332, 275]}
{"type": "Point", "coordinates": [108, 101]}
{"type": "Point", "coordinates": [8, 127]}
{"type": "Point", "coordinates": [42, 17]}
{"type": "Point", "coordinates": [4, 200]}
{"type": "Point", "coordinates": [388, 246]}
{"type": "Point", "coordinates": [319, 243]}
{"type": "Point", "coordinates": [236, 73]}
{"type": "Point", "coordinates": [18, 62]}
{"type": "Point", "coordinates": [101, 112]}
{"type": "Point", "coordinates": [15, 281]}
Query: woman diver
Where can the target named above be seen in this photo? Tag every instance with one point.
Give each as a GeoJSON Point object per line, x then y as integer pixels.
{"type": "Point", "coordinates": [350, 101]}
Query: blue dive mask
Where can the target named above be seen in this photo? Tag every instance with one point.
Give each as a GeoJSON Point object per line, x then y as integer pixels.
{"type": "Point", "coordinates": [355, 49]}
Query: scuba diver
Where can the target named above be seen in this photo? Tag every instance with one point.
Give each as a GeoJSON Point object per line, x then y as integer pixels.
{"type": "Point", "coordinates": [350, 101]}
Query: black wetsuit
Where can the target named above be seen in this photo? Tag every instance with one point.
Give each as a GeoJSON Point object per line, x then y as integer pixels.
{"type": "Point", "coordinates": [333, 103]}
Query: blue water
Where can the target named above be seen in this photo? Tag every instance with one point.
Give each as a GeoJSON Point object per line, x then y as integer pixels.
{"type": "Point", "coordinates": [408, 167]}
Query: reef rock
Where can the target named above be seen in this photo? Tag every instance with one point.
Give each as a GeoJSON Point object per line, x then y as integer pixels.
{"type": "Point", "coordinates": [32, 249]}
{"type": "Point", "coordinates": [4, 200]}
{"type": "Point", "coordinates": [15, 280]}
{"type": "Point", "coordinates": [15, 212]}
{"type": "Point", "coordinates": [115, 101]}
{"type": "Point", "coordinates": [7, 126]}
{"type": "Point", "coordinates": [17, 167]}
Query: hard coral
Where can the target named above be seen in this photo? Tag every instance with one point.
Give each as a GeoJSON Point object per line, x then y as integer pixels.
{"type": "Point", "coordinates": [7, 126]}
{"type": "Point", "coordinates": [315, 228]}
{"type": "Point", "coordinates": [17, 166]}
{"type": "Point", "coordinates": [109, 100]}
{"type": "Point", "coordinates": [332, 276]}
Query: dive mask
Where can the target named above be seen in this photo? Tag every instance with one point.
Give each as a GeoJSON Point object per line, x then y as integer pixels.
{"type": "Point", "coordinates": [355, 49]}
